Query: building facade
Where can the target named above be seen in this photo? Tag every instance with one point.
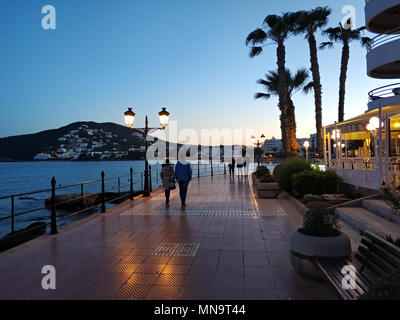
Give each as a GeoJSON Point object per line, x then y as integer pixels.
{"type": "Point", "coordinates": [365, 150]}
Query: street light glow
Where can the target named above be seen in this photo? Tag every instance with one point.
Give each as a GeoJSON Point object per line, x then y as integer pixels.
{"type": "Point", "coordinates": [129, 118]}
{"type": "Point", "coordinates": [164, 117]}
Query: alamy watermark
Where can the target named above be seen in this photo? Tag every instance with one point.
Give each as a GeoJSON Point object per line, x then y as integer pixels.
{"type": "Point", "coordinates": [49, 280]}
{"type": "Point", "coordinates": [49, 18]}
{"type": "Point", "coordinates": [349, 21]}
{"type": "Point", "coordinates": [349, 279]}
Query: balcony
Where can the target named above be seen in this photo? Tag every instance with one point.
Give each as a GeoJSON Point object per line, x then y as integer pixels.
{"type": "Point", "coordinates": [383, 58]}
{"type": "Point", "coordinates": [385, 96]}
{"type": "Point", "coordinates": [382, 15]}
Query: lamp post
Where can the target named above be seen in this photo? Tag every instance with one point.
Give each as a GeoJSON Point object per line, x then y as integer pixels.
{"type": "Point", "coordinates": [372, 127]}
{"type": "Point", "coordinates": [129, 122]}
{"type": "Point", "coordinates": [306, 145]}
{"type": "Point", "coordinates": [258, 143]}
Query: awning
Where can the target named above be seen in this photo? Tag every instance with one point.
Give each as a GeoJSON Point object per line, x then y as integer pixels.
{"type": "Point", "coordinates": [355, 136]}
{"type": "Point", "coordinates": [359, 123]}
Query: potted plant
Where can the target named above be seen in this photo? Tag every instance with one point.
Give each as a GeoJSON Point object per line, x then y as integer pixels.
{"type": "Point", "coordinates": [260, 171]}
{"type": "Point", "coordinates": [320, 236]}
{"type": "Point", "coordinates": [267, 187]}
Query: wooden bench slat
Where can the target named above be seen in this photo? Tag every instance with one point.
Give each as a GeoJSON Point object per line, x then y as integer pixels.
{"type": "Point", "coordinates": [371, 256]}
{"type": "Point", "coordinates": [382, 253]}
{"type": "Point", "coordinates": [337, 273]}
{"type": "Point", "coordinates": [362, 282]}
{"type": "Point", "coordinates": [383, 243]}
{"type": "Point", "coordinates": [332, 270]}
{"type": "Point", "coordinates": [338, 286]}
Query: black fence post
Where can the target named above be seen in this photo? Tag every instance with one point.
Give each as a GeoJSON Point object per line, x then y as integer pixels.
{"type": "Point", "coordinates": [53, 222]}
{"type": "Point", "coordinates": [212, 171]}
{"type": "Point", "coordinates": [224, 168]}
{"type": "Point", "coordinates": [82, 200]}
{"type": "Point", "coordinates": [198, 169]}
{"type": "Point", "coordinates": [12, 215]}
{"type": "Point", "coordinates": [150, 181]}
{"type": "Point", "coordinates": [131, 191]}
{"type": "Point", "coordinates": [103, 200]}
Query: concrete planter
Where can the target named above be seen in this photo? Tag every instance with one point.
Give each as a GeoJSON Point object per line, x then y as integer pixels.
{"type": "Point", "coordinates": [268, 190]}
{"type": "Point", "coordinates": [304, 248]}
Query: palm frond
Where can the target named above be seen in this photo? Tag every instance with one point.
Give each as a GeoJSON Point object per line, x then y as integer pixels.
{"type": "Point", "coordinates": [334, 34]}
{"type": "Point", "coordinates": [366, 42]}
{"type": "Point", "coordinates": [272, 20]}
{"type": "Point", "coordinates": [308, 88]}
{"type": "Point", "coordinates": [325, 45]}
{"type": "Point", "coordinates": [255, 51]}
{"type": "Point", "coordinates": [260, 95]}
{"type": "Point", "coordinates": [300, 78]}
{"type": "Point", "coordinates": [258, 36]}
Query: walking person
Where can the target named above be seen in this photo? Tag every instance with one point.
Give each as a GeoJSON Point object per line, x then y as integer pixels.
{"type": "Point", "coordinates": [183, 172]}
{"type": "Point", "coordinates": [232, 167]}
{"type": "Point", "coordinates": [240, 165]}
{"type": "Point", "coordinates": [167, 175]}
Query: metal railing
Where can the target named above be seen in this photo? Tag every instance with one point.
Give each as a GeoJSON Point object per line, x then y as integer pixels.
{"type": "Point", "coordinates": [108, 190]}
{"type": "Point", "coordinates": [384, 92]}
{"type": "Point", "coordinates": [102, 197]}
{"type": "Point", "coordinates": [384, 38]}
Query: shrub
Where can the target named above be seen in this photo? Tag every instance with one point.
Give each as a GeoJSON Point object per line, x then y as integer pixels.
{"type": "Point", "coordinates": [392, 241]}
{"type": "Point", "coordinates": [288, 169]}
{"type": "Point", "coordinates": [311, 197]}
{"type": "Point", "coordinates": [276, 170]}
{"type": "Point", "coordinates": [316, 182]}
{"type": "Point", "coordinates": [320, 223]}
{"type": "Point", "coordinates": [262, 171]}
{"type": "Point", "coordinates": [387, 288]}
{"type": "Point", "coordinates": [267, 179]}
{"type": "Point", "coordinates": [392, 198]}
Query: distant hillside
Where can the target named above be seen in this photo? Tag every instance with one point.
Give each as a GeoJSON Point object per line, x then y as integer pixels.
{"type": "Point", "coordinates": [25, 147]}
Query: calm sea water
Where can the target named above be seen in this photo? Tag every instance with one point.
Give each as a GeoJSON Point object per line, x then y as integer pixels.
{"type": "Point", "coordinates": [22, 177]}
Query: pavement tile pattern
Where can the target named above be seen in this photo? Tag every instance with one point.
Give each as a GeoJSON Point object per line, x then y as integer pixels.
{"type": "Point", "coordinates": [237, 250]}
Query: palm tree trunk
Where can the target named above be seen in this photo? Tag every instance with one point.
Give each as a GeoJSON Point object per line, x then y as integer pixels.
{"type": "Point", "coordinates": [317, 90]}
{"type": "Point", "coordinates": [293, 146]}
{"type": "Point", "coordinates": [282, 118]}
{"type": "Point", "coordinates": [343, 77]}
{"type": "Point", "coordinates": [283, 90]}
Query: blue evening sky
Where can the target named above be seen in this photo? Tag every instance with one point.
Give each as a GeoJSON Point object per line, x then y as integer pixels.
{"type": "Point", "coordinates": [186, 55]}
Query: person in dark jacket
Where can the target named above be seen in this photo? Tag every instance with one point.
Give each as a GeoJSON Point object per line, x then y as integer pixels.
{"type": "Point", "coordinates": [232, 167]}
{"type": "Point", "coordinates": [183, 172]}
{"type": "Point", "coordinates": [167, 175]}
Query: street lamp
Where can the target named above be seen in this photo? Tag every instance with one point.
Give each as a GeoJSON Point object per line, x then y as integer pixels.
{"type": "Point", "coordinates": [129, 117]}
{"type": "Point", "coordinates": [373, 126]}
{"type": "Point", "coordinates": [306, 145]}
{"type": "Point", "coordinates": [258, 143]}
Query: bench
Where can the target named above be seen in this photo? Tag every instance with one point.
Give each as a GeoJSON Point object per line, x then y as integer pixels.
{"type": "Point", "coordinates": [376, 258]}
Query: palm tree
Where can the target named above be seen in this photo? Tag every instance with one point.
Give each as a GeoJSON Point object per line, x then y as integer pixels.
{"type": "Point", "coordinates": [344, 36]}
{"type": "Point", "coordinates": [308, 23]}
{"type": "Point", "coordinates": [296, 83]}
{"type": "Point", "coordinates": [277, 30]}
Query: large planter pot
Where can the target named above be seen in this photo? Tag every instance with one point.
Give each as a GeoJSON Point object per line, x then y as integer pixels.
{"type": "Point", "coordinates": [304, 248]}
{"type": "Point", "coordinates": [268, 190]}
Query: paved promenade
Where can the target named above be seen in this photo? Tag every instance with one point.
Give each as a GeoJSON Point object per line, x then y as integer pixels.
{"type": "Point", "coordinates": [227, 244]}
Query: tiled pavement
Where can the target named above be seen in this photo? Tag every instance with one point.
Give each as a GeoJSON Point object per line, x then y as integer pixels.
{"type": "Point", "coordinates": [239, 243]}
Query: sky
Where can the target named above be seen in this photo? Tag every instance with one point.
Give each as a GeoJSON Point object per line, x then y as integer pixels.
{"type": "Point", "coordinates": [188, 56]}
